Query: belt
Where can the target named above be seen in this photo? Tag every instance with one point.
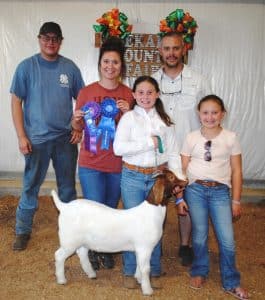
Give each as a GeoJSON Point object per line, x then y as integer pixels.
{"type": "Point", "coordinates": [147, 170]}
{"type": "Point", "coordinates": [208, 183]}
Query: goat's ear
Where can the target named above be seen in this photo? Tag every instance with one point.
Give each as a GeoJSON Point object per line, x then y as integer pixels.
{"type": "Point", "coordinates": [157, 192]}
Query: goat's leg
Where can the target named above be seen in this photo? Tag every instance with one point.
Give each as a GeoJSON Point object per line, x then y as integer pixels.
{"type": "Point", "coordinates": [60, 256]}
{"type": "Point", "coordinates": [143, 257]}
{"type": "Point", "coordinates": [82, 252]}
{"type": "Point", "coordinates": [137, 274]}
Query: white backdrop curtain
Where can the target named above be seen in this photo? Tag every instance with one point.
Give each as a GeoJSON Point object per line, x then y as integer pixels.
{"type": "Point", "coordinates": [229, 50]}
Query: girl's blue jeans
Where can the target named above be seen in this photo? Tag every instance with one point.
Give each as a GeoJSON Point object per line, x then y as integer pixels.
{"type": "Point", "coordinates": [64, 158]}
{"type": "Point", "coordinates": [100, 186]}
{"type": "Point", "coordinates": [213, 202]}
{"type": "Point", "coordinates": [135, 188]}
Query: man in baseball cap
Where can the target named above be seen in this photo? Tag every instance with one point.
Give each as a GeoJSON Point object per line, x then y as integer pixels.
{"type": "Point", "coordinates": [51, 27]}
{"type": "Point", "coordinates": [42, 91]}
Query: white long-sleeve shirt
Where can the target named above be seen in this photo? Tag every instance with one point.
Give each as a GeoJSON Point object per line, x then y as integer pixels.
{"type": "Point", "coordinates": [133, 140]}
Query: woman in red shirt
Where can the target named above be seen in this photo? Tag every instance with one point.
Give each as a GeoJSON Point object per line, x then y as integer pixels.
{"type": "Point", "coordinates": [99, 168]}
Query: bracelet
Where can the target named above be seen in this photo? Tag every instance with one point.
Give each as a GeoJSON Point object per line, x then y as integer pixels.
{"type": "Point", "coordinates": [237, 202]}
{"type": "Point", "coordinates": [179, 200]}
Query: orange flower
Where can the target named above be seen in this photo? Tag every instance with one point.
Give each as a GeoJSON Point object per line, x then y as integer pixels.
{"type": "Point", "coordinates": [163, 22]}
{"type": "Point", "coordinates": [102, 21]}
{"type": "Point", "coordinates": [114, 13]}
{"type": "Point", "coordinates": [187, 17]}
{"type": "Point", "coordinates": [180, 28]}
{"type": "Point", "coordinates": [129, 28]}
{"type": "Point", "coordinates": [114, 32]}
{"type": "Point", "coordinates": [116, 23]}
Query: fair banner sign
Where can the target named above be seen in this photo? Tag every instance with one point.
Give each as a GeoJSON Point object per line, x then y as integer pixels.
{"type": "Point", "coordinates": [141, 53]}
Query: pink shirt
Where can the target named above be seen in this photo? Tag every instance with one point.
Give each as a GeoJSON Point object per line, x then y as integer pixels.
{"type": "Point", "coordinates": [222, 148]}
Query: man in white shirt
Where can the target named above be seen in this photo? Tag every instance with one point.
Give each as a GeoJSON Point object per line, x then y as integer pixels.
{"type": "Point", "coordinates": [181, 88]}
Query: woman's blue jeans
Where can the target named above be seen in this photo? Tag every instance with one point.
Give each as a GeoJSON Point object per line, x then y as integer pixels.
{"type": "Point", "coordinates": [100, 186]}
{"type": "Point", "coordinates": [213, 202]}
{"type": "Point", "coordinates": [64, 158]}
{"type": "Point", "coordinates": [135, 188]}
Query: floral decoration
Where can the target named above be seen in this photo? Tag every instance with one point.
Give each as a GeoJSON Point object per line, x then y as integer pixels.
{"type": "Point", "coordinates": [181, 22]}
{"type": "Point", "coordinates": [113, 23]}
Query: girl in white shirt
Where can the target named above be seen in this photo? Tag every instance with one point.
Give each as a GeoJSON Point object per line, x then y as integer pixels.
{"type": "Point", "coordinates": [146, 141]}
{"type": "Point", "coordinates": [211, 158]}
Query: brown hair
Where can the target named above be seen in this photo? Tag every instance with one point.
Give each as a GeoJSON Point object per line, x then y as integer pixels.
{"type": "Point", "coordinates": [158, 104]}
{"type": "Point", "coordinates": [114, 44]}
{"type": "Point", "coordinates": [213, 98]}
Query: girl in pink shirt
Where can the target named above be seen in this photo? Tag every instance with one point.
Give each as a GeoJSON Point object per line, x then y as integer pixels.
{"type": "Point", "coordinates": [211, 158]}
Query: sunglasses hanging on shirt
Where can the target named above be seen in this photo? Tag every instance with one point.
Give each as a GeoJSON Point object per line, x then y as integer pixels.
{"type": "Point", "coordinates": [172, 93]}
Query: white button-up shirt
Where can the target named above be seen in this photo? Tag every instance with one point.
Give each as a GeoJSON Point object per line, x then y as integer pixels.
{"type": "Point", "coordinates": [180, 97]}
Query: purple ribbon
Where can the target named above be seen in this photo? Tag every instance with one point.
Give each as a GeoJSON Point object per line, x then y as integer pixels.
{"type": "Point", "coordinates": [92, 112]}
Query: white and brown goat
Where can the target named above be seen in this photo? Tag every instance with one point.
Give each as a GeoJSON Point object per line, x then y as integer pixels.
{"type": "Point", "coordinates": [86, 224]}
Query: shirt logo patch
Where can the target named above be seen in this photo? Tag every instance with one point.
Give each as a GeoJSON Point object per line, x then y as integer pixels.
{"type": "Point", "coordinates": [64, 80]}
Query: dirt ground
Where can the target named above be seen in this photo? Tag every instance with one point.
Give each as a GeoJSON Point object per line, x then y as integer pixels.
{"type": "Point", "coordinates": [30, 275]}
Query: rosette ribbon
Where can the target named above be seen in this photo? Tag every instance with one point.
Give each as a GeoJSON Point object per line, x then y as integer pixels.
{"type": "Point", "coordinates": [92, 112]}
{"type": "Point", "coordinates": [178, 21]}
{"type": "Point", "coordinates": [106, 126]}
{"type": "Point", "coordinates": [113, 23]}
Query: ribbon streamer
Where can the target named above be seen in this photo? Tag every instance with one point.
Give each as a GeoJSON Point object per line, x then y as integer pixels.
{"type": "Point", "coordinates": [106, 126]}
{"type": "Point", "coordinates": [92, 112]}
{"type": "Point", "coordinates": [160, 145]}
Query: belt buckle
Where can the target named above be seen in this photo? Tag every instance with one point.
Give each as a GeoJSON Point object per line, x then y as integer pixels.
{"type": "Point", "coordinates": [212, 183]}
{"type": "Point", "coordinates": [148, 170]}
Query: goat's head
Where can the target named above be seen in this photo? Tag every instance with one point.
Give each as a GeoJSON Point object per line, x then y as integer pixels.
{"type": "Point", "coordinates": [162, 189]}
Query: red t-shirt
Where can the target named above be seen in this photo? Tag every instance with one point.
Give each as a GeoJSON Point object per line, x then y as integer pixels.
{"type": "Point", "coordinates": [103, 160]}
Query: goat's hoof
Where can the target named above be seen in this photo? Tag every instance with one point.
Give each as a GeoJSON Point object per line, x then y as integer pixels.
{"type": "Point", "coordinates": [147, 292]}
{"type": "Point", "coordinates": [92, 276]}
{"type": "Point", "coordinates": [61, 281]}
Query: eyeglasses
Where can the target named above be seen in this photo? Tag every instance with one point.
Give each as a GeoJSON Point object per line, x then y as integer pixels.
{"type": "Point", "coordinates": [162, 90]}
{"type": "Point", "coordinates": [47, 39]}
{"type": "Point", "coordinates": [207, 154]}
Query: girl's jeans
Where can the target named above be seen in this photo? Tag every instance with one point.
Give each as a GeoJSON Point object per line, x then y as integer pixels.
{"type": "Point", "coordinates": [100, 186]}
{"type": "Point", "coordinates": [135, 188]}
{"type": "Point", "coordinates": [64, 157]}
{"type": "Point", "coordinates": [213, 202]}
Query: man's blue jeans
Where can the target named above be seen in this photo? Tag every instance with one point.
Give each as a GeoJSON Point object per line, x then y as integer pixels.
{"type": "Point", "coordinates": [135, 188]}
{"type": "Point", "coordinates": [64, 158]}
{"type": "Point", "coordinates": [213, 202]}
{"type": "Point", "coordinates": [100, 186]}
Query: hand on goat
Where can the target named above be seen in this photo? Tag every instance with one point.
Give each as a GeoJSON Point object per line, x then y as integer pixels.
{"type": "Point", "coordinates": [178, 191]}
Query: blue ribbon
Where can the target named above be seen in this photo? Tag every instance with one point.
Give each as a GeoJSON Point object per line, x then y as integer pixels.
{"type": "Point", "coordinates": [106, 126]}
